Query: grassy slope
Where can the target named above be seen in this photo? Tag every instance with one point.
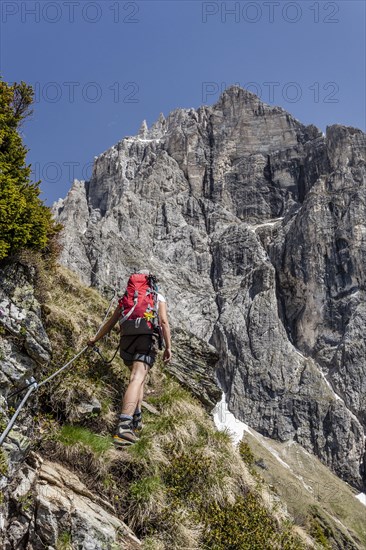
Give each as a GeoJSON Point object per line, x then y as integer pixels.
{"type": "Point", "coordinates": [183, 485]}
{"type": "Point", "coordinates": [309, 487]}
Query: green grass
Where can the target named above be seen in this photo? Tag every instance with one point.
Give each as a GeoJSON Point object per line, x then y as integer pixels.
{"type": "Point", "coordinates": [182, 485]}
{"type": "Point", "coordinates": [72, 435]}
{"type": "Point", "coordinates": [141, 448]}
{"type": "Point", "coordinates": [143, 489]}
{"type": "Point", "coordinates": [146, 501]}
{"type": "Point", "coordinates": [3, 423]}
{"type": "Point", "coordinates": [333, 498]}
{"type": "Point", "coordinates": [64, 541]}
{"type": "Point", "coordinates": [153, 543]}
{"type": "Point", "coordinates": [171, 393]}
{"type": "Point", "coordinates": [3, 463]}
{"type": "Point", "coordinates": [320, 532]}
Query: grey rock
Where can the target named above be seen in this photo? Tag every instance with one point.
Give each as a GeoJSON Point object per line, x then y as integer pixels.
{"type": "Point", "coordinates": [193, 364]}
{"type": "Point", "coordinates": [15, 365]}
{"type": "Point", "coordinates": [17, 532]}
{"type": "Point", "coordinates": [17, 444]}
{"type": "Point", "coordinates": [85, 409]}
{"type": "Point", "coordinates": [255, 224]}
{"type": "Point", "coordinates": [24, 345]}
{"type": "Point", "coordinates": [150, 408]}
{"type": "Point", "coordinates": [20, 317]}
{"type": "Point", "coordinates": [20, 312]}
{"type": "Point", "coordinates": [36, 341]}
{"type": "Point", "coordinates": [261, 464]}
{"type": "Point", "coordinates": [49, 501]}
{"type": "Point", "coordinates": [41, 501]}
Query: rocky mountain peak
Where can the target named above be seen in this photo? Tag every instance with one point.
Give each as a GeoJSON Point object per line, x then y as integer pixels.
{"type": "Point", "coordinates": [255, 224]}
{"type": "Point", "coordinates": [142, 133]}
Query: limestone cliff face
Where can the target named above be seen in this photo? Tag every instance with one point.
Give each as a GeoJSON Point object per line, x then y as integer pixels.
{"type": "Point", "coordinates": [255, 225]}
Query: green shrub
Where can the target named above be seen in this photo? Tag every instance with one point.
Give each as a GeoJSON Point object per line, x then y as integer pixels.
{"type": "Point", "coordinates": [244, 525]}
{"type": "Point", "coordinates": [239, 523]}
{"type": "Point", "coordinates": [25, 222]}
{"type": "Point", "coordinates": [186, 475]}
{"type": "Point", "coordinates": [319, 528]}
{"type": "Point", "coordinates": [26, 501]}
{"type": "Point", "coordinates": [246, 453]}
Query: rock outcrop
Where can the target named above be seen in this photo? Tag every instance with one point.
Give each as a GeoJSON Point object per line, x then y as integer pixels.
{"type": "Point", "coordinates": [50, 506]}
{"type": "Point", "coordinates": [193, 364]}
{"type": "Point", "coordinates": [42, 504]}
{"type": "Point", "coordinates": [24, 347]}
{"type": "Point", "coordinates": [255, 225]}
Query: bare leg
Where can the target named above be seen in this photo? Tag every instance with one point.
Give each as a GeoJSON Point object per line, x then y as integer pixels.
{"type": "Point", "coordinates": [135, 391]}
{"type": "Point", "coordinates": [141, 396]}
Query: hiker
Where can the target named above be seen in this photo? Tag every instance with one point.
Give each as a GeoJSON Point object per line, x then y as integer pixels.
{"type": "Point", "coordinates": [142, 313]}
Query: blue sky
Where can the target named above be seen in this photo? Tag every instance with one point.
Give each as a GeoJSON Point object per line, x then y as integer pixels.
{"type": "Point", "coordinates": [100, 68]}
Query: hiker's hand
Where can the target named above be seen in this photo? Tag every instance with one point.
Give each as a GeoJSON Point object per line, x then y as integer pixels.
{"type": "Point", "coordinates": [91, 342]}
{"type": "Point", "coordinates": [167, 355]}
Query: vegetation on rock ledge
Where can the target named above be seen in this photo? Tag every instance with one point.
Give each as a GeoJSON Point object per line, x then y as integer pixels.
{"type": "Point", "coordinates": [183, 484]}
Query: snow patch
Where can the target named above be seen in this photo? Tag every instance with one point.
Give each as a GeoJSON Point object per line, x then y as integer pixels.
{"type": "Point", "coordinates": [299, 353]}
{"type": "Point", "coordinates": [329, 386]}
{"type": "Point", "coordinates": [224, 419]}
{"type": "Point", "coordinates": [362, 498]}
{"type": "Point", "coordinates": [142, 140]}
{"type": "Point", "coordinates": [267, 223]}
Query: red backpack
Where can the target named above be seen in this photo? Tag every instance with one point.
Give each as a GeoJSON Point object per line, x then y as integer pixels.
{"type": "Point", "coordinates": [139, 305]}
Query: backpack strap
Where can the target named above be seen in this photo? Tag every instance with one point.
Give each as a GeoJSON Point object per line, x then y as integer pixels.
{"type": "Point", "coordinates": [154, 291]}
{"type": "Point", "coordinates": [135, 300]}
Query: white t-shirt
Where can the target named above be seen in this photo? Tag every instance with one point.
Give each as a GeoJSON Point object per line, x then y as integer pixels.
{"type": "Point", "coordinates": [161, 298]}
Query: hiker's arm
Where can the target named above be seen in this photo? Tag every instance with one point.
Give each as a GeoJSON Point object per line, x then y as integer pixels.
{"type": "Point", "coordinates": [106, 327]}
{"type": "Point", "coordinates": [166, 330]}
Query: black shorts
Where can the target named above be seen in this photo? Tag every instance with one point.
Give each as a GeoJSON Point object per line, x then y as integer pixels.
{"type": "Point", "coordinates": [142, 347]}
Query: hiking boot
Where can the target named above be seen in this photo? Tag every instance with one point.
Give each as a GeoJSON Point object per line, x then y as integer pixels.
{"type": "Point", "coordinates": [137, 424]}
{"type": "Point", "coordinates": [124, 434]}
